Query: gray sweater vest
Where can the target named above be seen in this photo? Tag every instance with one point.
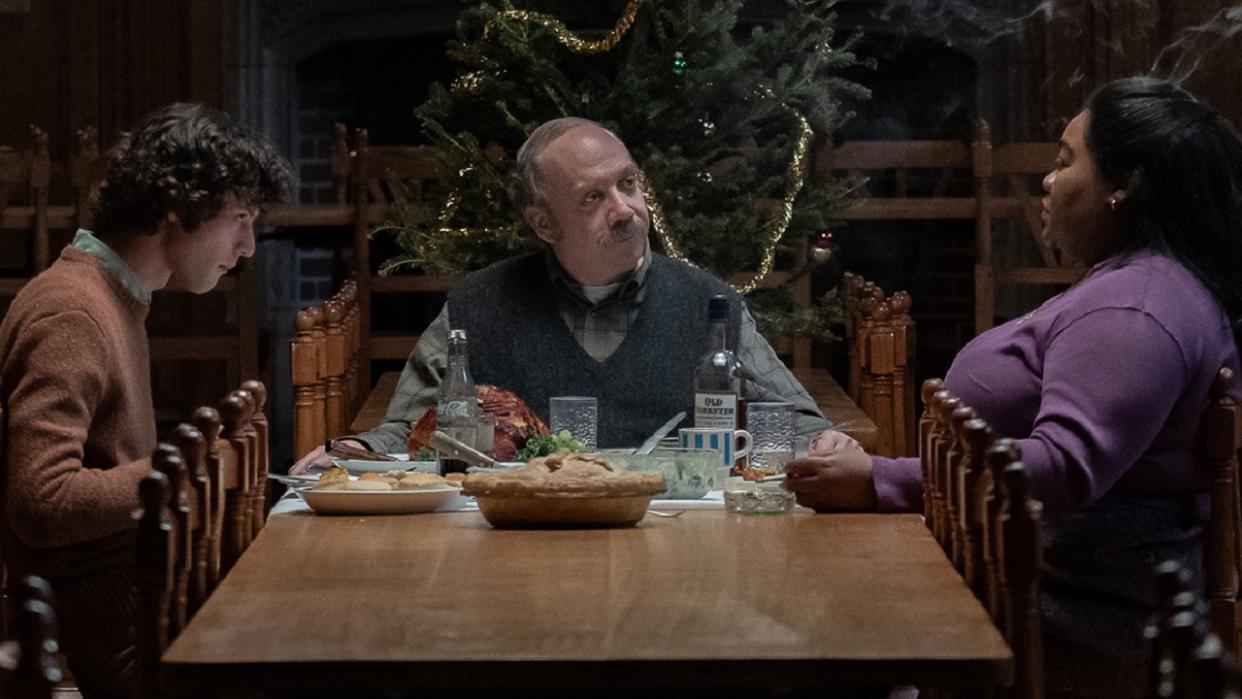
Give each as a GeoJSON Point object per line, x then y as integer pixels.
{"type": "Point", "coordinates": [519, 341]}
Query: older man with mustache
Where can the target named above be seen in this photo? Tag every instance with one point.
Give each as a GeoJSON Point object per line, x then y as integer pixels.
{"type": "Point", "coordinates": [596, 313]}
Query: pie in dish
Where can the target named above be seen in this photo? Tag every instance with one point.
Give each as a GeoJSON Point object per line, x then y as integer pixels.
{"type": "Point", "coordinates": [338, 479]}
{"type": "Point", "coordinates": [564, 474]}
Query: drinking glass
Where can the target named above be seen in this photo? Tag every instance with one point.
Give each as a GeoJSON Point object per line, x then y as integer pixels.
{"type": "Point", "coordinates": [771, 429]}
{"type": "Point", "coordinates": [578, 414]}
{"type": "Point", "coordinates": [484, 441]}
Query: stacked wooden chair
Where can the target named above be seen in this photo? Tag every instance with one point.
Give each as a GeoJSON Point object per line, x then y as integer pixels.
{"type": "Point", "coordinates": [30, 664]}
{"type": "Point", "coordinates": [1187, 659]}
{"type": "Point", "coordinates": [202, 505]}
{"type": "Point", "coordinates": [1008, 190]}
{"type": "Point", "coordinates": [978, 505]}
{"type": "Point", "coordinates": [326, 371]}
{"type": "Point", "coordinates": [879, 333]}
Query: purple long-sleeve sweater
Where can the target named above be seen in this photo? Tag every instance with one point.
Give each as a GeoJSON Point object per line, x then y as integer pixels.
{"type": "Point", "coordinates": [1102, 387]}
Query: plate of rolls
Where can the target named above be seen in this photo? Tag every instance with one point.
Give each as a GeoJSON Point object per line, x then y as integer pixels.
{"type": "Point", "coordinates": [391, 493]}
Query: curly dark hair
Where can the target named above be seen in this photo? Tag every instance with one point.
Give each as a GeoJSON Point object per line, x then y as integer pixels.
{"type": "Point", "coordinates": [185, 158]}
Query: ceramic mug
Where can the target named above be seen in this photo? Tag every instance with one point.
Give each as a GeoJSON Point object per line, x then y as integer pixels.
{"type": "Point", "coordinates": [732, 444]}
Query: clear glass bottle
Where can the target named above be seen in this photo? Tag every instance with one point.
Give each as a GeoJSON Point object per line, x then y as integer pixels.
{"type": "Point", "coordinates": [457, 407]}
{"type": "Point", "coordinates": [719, 386]}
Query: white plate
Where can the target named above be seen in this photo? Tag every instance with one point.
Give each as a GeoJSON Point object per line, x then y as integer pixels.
{"type": "Point", "coordinates": [376, 502]}
{"type": "Point", "coordinates": [363, 466]}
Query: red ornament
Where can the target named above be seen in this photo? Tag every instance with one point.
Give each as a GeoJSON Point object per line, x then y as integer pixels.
{"type": "Point", "coordinates": [823, 240]}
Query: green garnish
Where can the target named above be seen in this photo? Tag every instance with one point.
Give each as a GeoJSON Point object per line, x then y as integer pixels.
{"type": "Point", "coordinates": [543, 446]}
{"type": "Point", "coordinates": [424, 454]}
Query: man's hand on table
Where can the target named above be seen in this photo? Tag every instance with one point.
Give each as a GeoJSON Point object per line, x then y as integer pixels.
{"type": "Point", "coordinates": [835, 476]}
{"type": "Point", "coordinates": [319, 457]}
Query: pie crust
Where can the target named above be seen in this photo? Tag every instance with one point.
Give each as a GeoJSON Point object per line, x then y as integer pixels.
{"type": "Point", "coordinates": [564, 474]}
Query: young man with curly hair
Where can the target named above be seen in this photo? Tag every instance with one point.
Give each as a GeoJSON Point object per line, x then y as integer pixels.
{"type": "Point", "coordinates": [175, 211]}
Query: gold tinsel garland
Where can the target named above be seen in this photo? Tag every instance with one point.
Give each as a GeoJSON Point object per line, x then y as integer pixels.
{"type": "Point", "coordinates": [471, 83]}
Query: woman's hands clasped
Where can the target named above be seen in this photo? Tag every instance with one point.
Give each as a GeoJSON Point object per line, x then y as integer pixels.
{"type": "Point", "coordinates": [834, 477]}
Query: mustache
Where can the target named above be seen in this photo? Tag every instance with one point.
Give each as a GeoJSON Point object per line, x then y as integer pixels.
{"type": "Point", "coordinates": [623, 230]}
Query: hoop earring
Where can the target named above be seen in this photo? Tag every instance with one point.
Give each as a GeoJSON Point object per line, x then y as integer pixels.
{"type": "Point", "coordinates": [1112, 203]}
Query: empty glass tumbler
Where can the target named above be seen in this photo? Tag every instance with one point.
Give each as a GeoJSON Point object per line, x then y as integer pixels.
{"type": "Point", "coordinates": [771, 427]}
{"type": "Point", "coordinates": [578, 414]}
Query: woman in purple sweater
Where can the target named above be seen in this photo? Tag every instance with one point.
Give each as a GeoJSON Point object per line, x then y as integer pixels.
{"type": "Point", "coordinates": [1104, 385]}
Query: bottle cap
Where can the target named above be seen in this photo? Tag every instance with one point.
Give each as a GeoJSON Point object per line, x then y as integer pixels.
{"type": "Point", "coordinates": [457, 334]}
{"type": "Point", "coordinates": [718, 308]}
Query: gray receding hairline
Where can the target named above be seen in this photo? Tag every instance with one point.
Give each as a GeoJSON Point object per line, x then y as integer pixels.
{"type": "Point", "coordinates": [526, 176]}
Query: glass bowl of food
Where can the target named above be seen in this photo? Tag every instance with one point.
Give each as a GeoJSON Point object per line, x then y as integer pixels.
{"type": "Point", "coordinates": [688, 473]}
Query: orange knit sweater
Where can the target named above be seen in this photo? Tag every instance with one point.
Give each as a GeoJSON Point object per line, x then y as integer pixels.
{"type": "Point", "coordinates": [75, 384]}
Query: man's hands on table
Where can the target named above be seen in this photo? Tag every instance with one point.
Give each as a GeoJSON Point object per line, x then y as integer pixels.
{"type": "Point", "coordinates": [319, 457]}
{"type": "Point", "coordinates": [835, 475]}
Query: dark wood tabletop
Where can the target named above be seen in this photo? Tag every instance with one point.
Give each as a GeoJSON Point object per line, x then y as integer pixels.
{"type": "Point", "coordinates": [705, 600]}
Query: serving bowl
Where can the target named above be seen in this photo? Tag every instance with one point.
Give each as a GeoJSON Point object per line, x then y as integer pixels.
{"type": "Point", "coordinates": [688, 473]}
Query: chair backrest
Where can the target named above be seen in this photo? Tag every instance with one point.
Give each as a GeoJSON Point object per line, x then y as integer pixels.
{"type": "Point", "coordinates": [1220, 444]}
{"type": "Point", "coordinates": [880, 338]}
{"type": "Point", "coordinates": [168, 461]}
{"type": "Point", "coordinates": [906, 161]}
{"type": "Point", "coordinates": [1186, 658]}
{"type": "Point", "coordinates": [261, 434]}
{"type": "Point", "coordinates": [193, 448]}
{"type": "Point", "coordinates": [977, 503]}
{"type": "Point", "coordinates": [25, 176]}
{"type": "Point", "coordinates": [1007, 188]}
{"type": "Point", "coordinates": [30, 665]}
{"type": "Point", "coordinates": [309, 392]}
{"type": "Point", "coordinates": [155, 571]}
{"type": "Point", "coordinates": [235, 463]}
{"type": "Point", "coordinates": [216, 460]}
{"type": "Point", "coordinates": [87, 168]}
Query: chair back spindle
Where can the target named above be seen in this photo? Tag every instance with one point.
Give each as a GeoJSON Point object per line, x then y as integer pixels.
{"type": "Point", "coordinates": [154, 576]}
{"type": "Point", "coordinates": [193, 447]}
{"type": "Point", "coordinates": [207, 420]}
{"type": "Point", "coordinates": [262, 461]}
{"type": "Point", "coordinates": [1219, 444]}
{"type": "Point", "coordinates": [168, 461]}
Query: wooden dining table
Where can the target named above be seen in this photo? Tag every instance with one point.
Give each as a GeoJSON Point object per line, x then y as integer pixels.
{"type": "Point", "coordinates": [705, 600]}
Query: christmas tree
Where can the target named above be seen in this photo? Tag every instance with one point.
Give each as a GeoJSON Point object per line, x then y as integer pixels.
{"type": "Point", "coordinates": [720, 121]}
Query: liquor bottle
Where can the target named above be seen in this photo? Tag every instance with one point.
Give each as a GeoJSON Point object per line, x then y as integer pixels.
{"type": "Point", "coordinates": [719, 387]}
{"type": "Point", "coordinates": [457, 407]}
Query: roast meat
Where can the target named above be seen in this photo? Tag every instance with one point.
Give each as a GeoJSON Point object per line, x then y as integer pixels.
{"type": "Point", "coordinates": [515, 422]}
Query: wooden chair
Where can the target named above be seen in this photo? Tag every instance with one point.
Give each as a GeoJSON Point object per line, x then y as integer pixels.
{"type": "Point", "coordinates": [155, 570]}
{"type": "Point", "coordinates": [309, 392]}
{"type": "Point", "coordinates": [1220, 440]}
{"type": "Point", "coordinates": [261, 432]}
{"type": "Point", "coordinates": [218, 459]}
{"type": "Point", "coordinates": [86, 170]}
{"type": "Point", "coordinates": [880, 338]}
{"type": "Point", "coordinates": [383, 177]}
{"type": "Point", "coordinates": [27, 174]}
{"type": "Point", "coordinates": [905, 160]}
{"type": "Point", "coordinates": [30, 665]}
{"type": "Point", "coordinates": [977, 502]}
{"type": "Point", "coordinates": [168, 461]}
{"type": "Point", "coordinates": [192, 446]}
{"type": "Point", "coordinates": [325, 356]}
{"type": "Point", "coordinates": [1186, 658]}
{"type": "Point", "coordinates": [235, 462]}
{"type": "Point", "coordinates": [1012, 166]}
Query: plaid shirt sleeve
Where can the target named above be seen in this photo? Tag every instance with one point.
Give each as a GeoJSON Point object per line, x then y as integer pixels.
{"type": "Point", "coordinates": [416, 390]}
{"type": "Point", "coordinates": [768, 379]}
